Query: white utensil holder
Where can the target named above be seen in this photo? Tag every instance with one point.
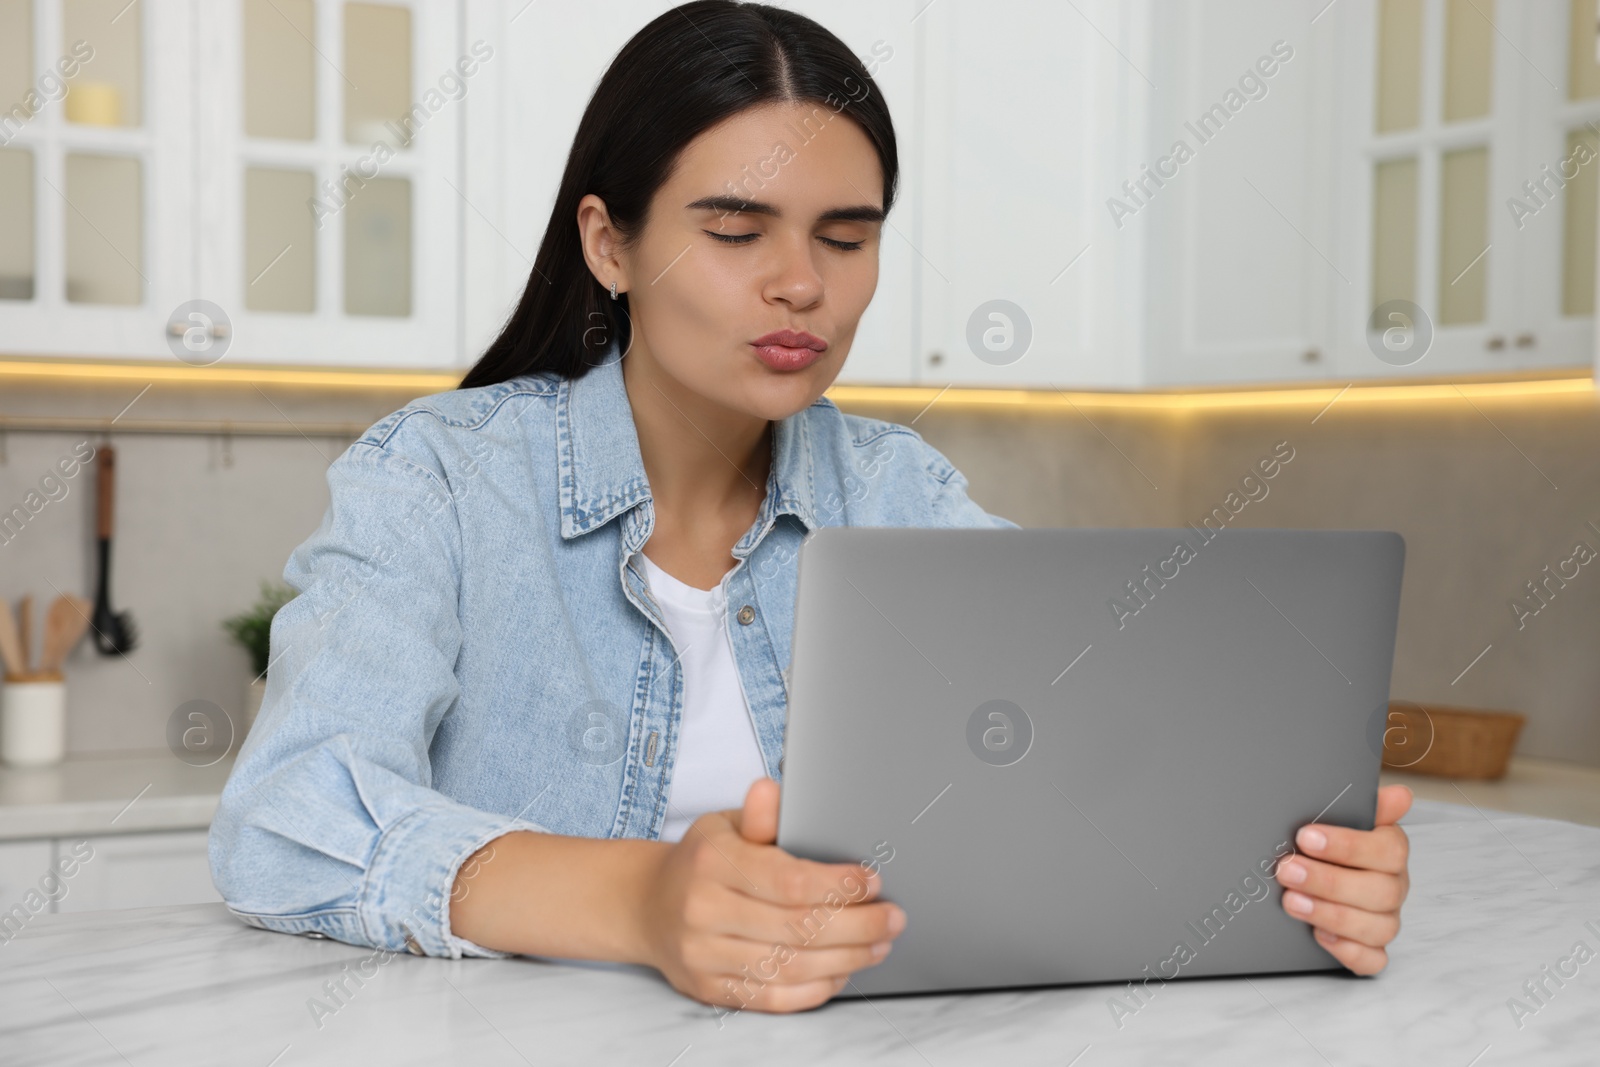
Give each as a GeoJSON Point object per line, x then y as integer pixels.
{"type": "Point", "coordinates": [33, 719]}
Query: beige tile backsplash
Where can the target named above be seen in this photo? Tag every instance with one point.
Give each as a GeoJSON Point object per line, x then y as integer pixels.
{"type": "Point", "coordinates": [1487, 493]}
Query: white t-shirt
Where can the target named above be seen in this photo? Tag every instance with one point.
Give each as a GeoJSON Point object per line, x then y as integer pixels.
{"type": "Point", "coordinates": [718, 755]}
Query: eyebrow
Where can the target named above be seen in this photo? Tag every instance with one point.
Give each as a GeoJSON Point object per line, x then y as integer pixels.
{"type": "Point", "coordinates": [733, 205]}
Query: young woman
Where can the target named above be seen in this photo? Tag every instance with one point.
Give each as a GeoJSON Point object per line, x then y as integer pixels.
{"type": "Point", "coordinates": [530, 698]}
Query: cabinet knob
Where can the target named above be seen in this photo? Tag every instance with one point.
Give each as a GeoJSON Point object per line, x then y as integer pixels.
{"type": "Point", "coordinates": [1311, 355]}
{"type": "Point", "coordinates": [935, 358]}
{"type": "Point", "coordinates": [180, 329]}
{"type": "Point", "coordinates": [1495, 343]}
{"type": "Point", "coordinates": [1525, 340]}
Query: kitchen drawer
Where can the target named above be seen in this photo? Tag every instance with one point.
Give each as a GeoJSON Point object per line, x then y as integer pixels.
{"type": "Point", "coordinates": [22, 866]}
{"type": "Point", "coordinates": [139, 871]}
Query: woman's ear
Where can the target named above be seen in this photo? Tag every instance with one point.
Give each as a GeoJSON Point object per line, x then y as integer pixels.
{"type": "Point", "coordinates": [601, 243]}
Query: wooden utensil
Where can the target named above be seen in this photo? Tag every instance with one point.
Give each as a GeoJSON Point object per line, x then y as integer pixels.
{"type": "Point", "coordinates": [25, 630]}
{"type": "Point", "coordinates": [64, 627]}
{"type": "Point", "coordinates": [10, 646]}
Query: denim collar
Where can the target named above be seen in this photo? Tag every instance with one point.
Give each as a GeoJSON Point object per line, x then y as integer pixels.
{"type": "Point", "coordinates": [602, 473]}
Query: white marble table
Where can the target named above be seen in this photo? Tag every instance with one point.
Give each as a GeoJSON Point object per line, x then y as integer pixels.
{"type": "Point", "coordinates": [1495, 898]}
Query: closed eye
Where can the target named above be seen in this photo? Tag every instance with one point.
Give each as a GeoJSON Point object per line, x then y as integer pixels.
{"type": "Point", "coordinates": [746, 238]}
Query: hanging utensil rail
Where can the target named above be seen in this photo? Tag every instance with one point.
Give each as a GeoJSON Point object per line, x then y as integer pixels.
{"type": "Point", "coordinates": [51, 424]}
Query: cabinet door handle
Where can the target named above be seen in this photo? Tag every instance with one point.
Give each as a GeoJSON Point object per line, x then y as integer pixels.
{"type": "Point", "coordinates": [1525, 340]}
{"type": "Point", "coordinates": [179, 329]}
{"type": "Point", "coordinates": [1495, 343]}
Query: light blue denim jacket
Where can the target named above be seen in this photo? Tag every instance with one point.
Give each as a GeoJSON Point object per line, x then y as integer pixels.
{"type": "Point", "coordinates": [474, 650]}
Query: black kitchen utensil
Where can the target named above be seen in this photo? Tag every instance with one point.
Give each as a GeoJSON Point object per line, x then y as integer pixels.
{"type": "Point", "coordinates": [114, 631]}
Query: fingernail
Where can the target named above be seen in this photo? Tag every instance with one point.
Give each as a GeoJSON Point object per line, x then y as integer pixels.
{"type": "Point", "coordinates": [1311, 839]}
{"type": "Point", "coordinates": [881, 949]}
{"type": "Point", "coordinates": [897, 920]}
{"type": "Point", "coordinates": [1293, 873]}
{"type": "Point", "coordinates": [1298, 903]}
{"type": "Point", "coordinates": [1327, 937]}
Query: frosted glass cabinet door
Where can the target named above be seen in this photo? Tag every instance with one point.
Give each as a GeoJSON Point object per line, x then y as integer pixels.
{"type": "Point", "coordinates": [330, 192]}
{"type": "Point", "coordinates": [1467, 144]}
{"type": "Point", "coordinates": [1555, 221]}
{"type": "Point", "coordinates": [293, 162]}
{"type": "Point", "coordinates": [95, 175]}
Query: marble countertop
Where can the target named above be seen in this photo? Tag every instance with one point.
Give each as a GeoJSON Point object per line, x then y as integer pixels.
{"type": "Point", "coordinates": [109, 795]}
{"type": "Point", "coordinates": [1495, 898]}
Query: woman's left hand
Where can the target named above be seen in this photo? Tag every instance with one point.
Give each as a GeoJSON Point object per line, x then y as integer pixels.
{"type": "Point", "coordinates": [1349, 884]}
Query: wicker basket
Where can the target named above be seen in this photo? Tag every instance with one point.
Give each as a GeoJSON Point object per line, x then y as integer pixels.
{"type": "Point", "coordinates": [1449, 742]}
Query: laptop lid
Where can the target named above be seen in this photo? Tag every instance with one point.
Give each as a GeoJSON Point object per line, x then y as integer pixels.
{"type": "Point", "coordinates": [1077, 755]}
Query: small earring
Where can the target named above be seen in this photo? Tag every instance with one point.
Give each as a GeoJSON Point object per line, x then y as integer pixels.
{"type": "Point", "coordinates": [613, 290]}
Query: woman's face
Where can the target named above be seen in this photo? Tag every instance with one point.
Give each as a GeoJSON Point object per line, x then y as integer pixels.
{"type": "Point", "coordinates": [770, 221]}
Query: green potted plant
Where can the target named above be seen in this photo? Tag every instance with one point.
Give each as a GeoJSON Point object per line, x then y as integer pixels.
{"type": "Point", "coordinates": [252, 631]}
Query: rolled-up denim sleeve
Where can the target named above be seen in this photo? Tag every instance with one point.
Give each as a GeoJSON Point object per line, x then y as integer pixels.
{"type": "Point", "coordinates": [328, 823]}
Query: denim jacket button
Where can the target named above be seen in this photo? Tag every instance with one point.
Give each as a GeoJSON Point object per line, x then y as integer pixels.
{"type": "Point", "coordinates": [747, 615]}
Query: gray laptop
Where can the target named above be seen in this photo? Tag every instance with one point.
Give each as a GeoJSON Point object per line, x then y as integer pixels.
{"type": "Point", "coordinates": [1077, 755]}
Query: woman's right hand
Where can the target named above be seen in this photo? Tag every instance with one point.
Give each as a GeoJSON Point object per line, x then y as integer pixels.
{"type": "Point", "coordinates": [731, 919]}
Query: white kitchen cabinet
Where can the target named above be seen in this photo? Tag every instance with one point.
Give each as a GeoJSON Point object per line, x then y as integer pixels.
{"type": "Point", "coordinates": [329, 195]}
{"type": "Point", "coordinates": [1031, 113]}
{"type": "Point", "coordinates": [117, 831]}
{"type": "Point", "coordinates": [1233, 194]}
{"type": "Point", "coordinates": [139, 871]}
{"type": "Point", "coordinates": [1449, 109]}
{"type": "Point", "coordinates": [1054, 180]}
{"type": "Point", "coordinates": [1259, 250]}
{"type": "Point", "coordinates": [23, 864]}
{"type": "Point", "coordinates": [204, 152]}
{"type": "Point", "coordinates": [1045, 234]}
{"type": "Point", "coordinates": [1560, 106]}
{"type": "Point", "coordinates": [96, 185]}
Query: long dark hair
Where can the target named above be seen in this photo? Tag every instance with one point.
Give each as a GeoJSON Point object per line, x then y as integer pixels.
{"type": "Point", "coordinates": [689, 69]}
